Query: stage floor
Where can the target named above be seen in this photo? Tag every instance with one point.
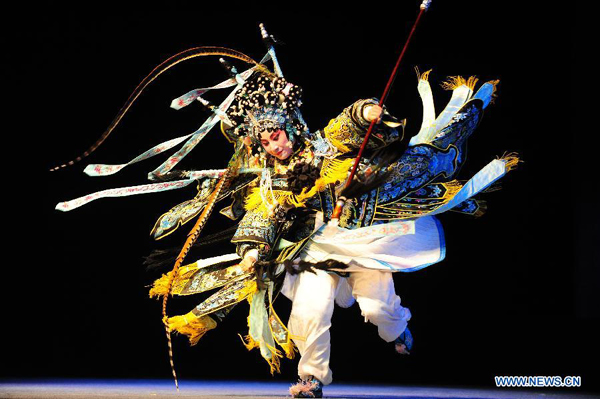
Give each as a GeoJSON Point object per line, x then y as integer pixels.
{"type": "Point", "coordinates": [131, 389]}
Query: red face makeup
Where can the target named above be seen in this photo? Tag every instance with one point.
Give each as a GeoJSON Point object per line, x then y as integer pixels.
{"type": "Point", "coordinates": [276, 144]}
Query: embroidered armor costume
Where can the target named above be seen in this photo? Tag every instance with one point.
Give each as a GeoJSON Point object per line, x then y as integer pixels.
{"type": "Point", "coordinates": [258, 229]}
{"type": "Point", "coordinates": [418, 183]}
{"type": "Point", "coordinates": [283, 203]}
{"type": "Point", "coordinates": [279, 217]}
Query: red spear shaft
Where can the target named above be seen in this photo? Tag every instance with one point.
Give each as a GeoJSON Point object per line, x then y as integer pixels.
{"type": "Point", "coordinates": [340, 203]}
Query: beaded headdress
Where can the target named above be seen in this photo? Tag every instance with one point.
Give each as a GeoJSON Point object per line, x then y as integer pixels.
{"type": "Point", "coordinates": [267, 103]}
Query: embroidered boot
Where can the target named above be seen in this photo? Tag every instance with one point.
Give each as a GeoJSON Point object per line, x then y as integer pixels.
{"type": "Point", "coordinates": [310, 388]}
{"type": "Point", "coordinates": [404, 343]}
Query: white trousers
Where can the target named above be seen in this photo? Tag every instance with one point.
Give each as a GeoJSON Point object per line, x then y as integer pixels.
{"type": "Point", "coordinates": [313, 297]}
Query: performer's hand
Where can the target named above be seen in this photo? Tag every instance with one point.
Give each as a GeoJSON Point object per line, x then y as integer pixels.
{"type": "Point", "coordinates": [247, 263]}
{"type": "Point", "coordinates": [373, 113]}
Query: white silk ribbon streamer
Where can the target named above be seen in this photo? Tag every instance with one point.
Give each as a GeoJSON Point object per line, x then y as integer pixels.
{"type": "Point", "coordinates": [460, 95]}
{"type": "Point", "coordinates": [178, 103]}
{"type": "Point", "coordinates": [202, 263]}
{"type": "Point", "coordinates": [95, 170]}
{"type": "Point", "coordinates": [400, 246]}
{"type": "Point", "coordinates": [482, 179]}
{"type": "Point", "coordinates": [239, 79]}
{"type": "Point", "coordinates": [258, 325]}
{"type": "Point", "coordinates": [148, 188]}
{"type": "Point", "coordinates": [216, 173]}
{"type": "Point", "coordinates": [200, 133]}
{"type": "Point", "coordinates": [197, 136]}
{"type": "Point", "coordinates": [334, 234]}
{"type": "Point", "coordinates": [428, 132]}
{"type": "Point", "coordinates": [194, 138]}
{"type": "Point", "coordinates": [190, 97]}
{"type": "Point", "coordinates": [426, 95]}
{"type": "Point", "coordinates": [201, 174]}
{"type": "Point", "coordinates": [123, 192]}
{"type": "Point", "coordinates": [395, 246]}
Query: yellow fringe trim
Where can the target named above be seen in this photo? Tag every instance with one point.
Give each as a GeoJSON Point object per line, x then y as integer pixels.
{"type": "Point", "coordinates": [192, 326]}
{"type": "Point", "coordinates": [338, 144]}
{"type": "Point", "coordinates": [333, 171]}
{"type": "Point", "coordinates": [454, 82]}
{"type": "Point", "coordinates": [511, 160]}
{"type": "Point", "coordinates": [289, 348]}
{"type": "Point", "coordinates": [249, 342]}
{"type": "Point", "coordinates": [274, 362]}
{"type": "Point", "coordinates": [161, 285]}
{"type": "Point", "coordinates": [494, 83]}
{"type": "Point", "coordinates": [424, 75]}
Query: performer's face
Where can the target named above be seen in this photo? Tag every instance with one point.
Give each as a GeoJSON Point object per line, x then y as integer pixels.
{"type": "Point", "coordinates": [276, 144]}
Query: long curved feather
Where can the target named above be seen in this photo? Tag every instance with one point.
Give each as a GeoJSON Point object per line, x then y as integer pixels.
{"type": "Point", "coordinates": [192, 237]}
{"type": "Point", "coordinates": [156, 72]}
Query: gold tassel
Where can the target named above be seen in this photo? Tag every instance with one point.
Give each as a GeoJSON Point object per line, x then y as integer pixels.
{"type": "Point", "coordinates": [249, 342]}
{"type": "Point", "coordinates": [511, 160]}
{"type": "Point", "coordinates": [253, 200]}
{"type": "Point", "coordinates": [160, 287]}
{"type": "Point", "coordinates": [471, 82]}
{"type": "Point", "coordinates": [192, 326]}
{"type": "Point", "coordinates": [289, 348]}
{"type": "Point", "coordinates": [494, 83]}
{"type": "Point", "coordinates": [274, 361]}
{"type": "Point", "coordinates": [424, 75]}
{"type": "Point", "coordinates": [454, 82]}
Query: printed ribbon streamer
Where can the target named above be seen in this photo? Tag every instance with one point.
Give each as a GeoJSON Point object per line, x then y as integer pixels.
{"type": "Point", "coordinates": [190, 97]}
{"type": "Point", "coordinates": [479, 182]}
{"type": "Point", "coordinates": [147, 188]}
{"type": "Point", "coordinates": [178, 103]}
{"type": "Point", "coordinates": [334, 234]}
{"type": "Point", "coordinates": [200, 133]}
{"type": "Point", "coordinates": [106, 170]}
{"type": "Point", "coordinates": [197, 136]}
{"type": "Point", "coordinates": [123, 192]}
{"type": "Point", "coordinates": [202, 263]}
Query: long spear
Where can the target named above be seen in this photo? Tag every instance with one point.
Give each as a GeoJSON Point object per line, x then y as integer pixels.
{"type": "Point", "coordinates": [340, 203]}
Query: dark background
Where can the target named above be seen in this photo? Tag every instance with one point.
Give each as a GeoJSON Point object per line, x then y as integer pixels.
{"type": "Point", "coordinates": [516, 295]}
